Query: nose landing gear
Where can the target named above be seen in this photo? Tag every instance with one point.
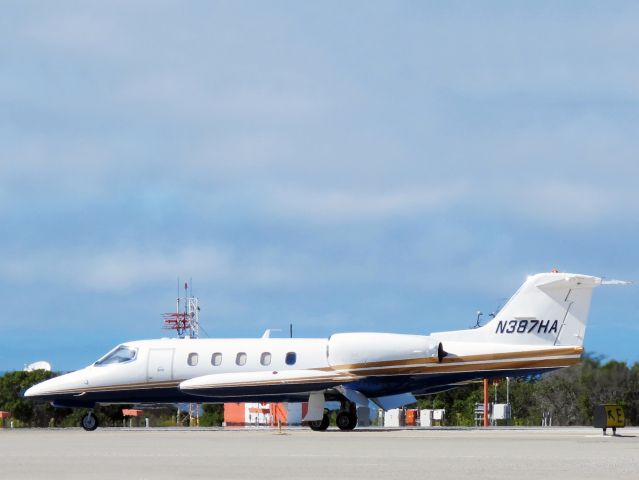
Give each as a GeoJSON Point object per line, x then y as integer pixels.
{"type": "Point", "coordinates": [89, 422]}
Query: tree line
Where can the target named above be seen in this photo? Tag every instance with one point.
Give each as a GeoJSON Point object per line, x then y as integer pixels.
{"type": "Point", "coordinates": [27, 413]}
{"type": "Point", "coordinates": [568, 396]}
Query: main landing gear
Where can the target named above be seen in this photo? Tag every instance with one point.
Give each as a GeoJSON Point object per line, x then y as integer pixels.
{"type": "Point", "coordinates": [89, 422]}
{"type": "Point", "coordinates": [347, 417]}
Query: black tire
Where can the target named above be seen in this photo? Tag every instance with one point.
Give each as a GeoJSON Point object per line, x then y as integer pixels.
{"type": "Point", "coordinates": [346, 420]}
{"type": "Point", "coordinates": [320, 425]}
{"type": "Point", "coordinates": [89, 422]}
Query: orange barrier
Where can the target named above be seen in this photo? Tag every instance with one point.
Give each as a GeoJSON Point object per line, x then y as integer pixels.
{"type": "Point", "coordinates": [132, 412]}
{"type": "Point", "coordinates": [4, 415]}
{"type": "Point", "coordinates": [410, 419]}
{"type": "Point", "coordinates": [234, 414]}
{"type": "Point", "coordinates": [279, 414]}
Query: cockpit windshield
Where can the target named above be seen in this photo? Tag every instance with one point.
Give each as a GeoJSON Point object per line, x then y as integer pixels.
{"type": "Point", "coordinates": [122, 354]}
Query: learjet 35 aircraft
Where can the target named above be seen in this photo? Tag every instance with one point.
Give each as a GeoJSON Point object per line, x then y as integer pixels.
{"type": "Point", "coordinates": [539, 329]}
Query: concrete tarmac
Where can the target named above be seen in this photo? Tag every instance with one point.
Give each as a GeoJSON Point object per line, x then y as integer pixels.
{"type": "Point", "coordinates": [448, 453]}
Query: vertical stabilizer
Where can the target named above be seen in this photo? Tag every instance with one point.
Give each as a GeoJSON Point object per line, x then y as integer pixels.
{"type": "Point", "coordinates": [548, 309]}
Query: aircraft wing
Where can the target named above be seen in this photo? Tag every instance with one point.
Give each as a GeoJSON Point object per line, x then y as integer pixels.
{"type": "Point", "coordinates": [272, 382]}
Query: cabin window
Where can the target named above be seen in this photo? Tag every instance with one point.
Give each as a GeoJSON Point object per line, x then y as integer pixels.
{"type": "Point", "coordinates": [192, 359]}
{"type": "Point", "coordinates": [265, 359]}
{"type": "Point", "coordinates": [291, 358]}
{"type": "Point", "coordinates": [122, 354]}
{"type": "Point", "coordinates": [240, 359]}
{"type": "Point", "coordinates": [216, 359]}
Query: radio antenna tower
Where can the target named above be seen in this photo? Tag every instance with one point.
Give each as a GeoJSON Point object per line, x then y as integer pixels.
{"type": "Point", "coordinates": [186, 322]}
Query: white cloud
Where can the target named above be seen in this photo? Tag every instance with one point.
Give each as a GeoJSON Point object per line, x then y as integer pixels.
{"type": "Point", "coordinates": [98, 31]}
{"type": "Point", "coordinates": [83, 31]}
{"type": "Point", "coordinates": [120, 270]}
{"type": "Point", "coordinates": [111, 271]}
{"type": "Point", "coordinates": [426, 266]}
{"type": "Point", "coordinates": [565, 204]}
{"type": "Point", "coordinates": [342, 206]}
{"type": "Point", "coordinates": [195, 99]}
{"type": "Point", "coordinates": [558, 204]}
{"type": "Point", "coordinates": [123, 269]}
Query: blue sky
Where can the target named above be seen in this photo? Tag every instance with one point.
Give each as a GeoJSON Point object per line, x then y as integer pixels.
{"type": "Point", "coordinates": [344, 166]}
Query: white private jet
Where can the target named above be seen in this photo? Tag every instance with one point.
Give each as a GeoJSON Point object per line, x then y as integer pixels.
{"type": "Point", "coordinates": [541, 328]}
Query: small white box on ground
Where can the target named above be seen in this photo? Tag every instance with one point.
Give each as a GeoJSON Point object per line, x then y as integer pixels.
{"type": "Point", "coordinates": [393, 418]}
{"type": "Point", "coordinates": [501, 411]}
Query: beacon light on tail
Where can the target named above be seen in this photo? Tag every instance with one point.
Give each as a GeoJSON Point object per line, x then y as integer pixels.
{"type": "Point", "coordinates": [541, 328]}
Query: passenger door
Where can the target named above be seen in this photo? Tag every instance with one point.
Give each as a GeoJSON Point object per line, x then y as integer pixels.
{"type": "Point", "coordinates": [160, 366]}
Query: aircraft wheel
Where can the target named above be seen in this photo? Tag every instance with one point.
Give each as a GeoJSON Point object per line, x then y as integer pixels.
{"type": "Point", "coordinates": [320, 425]}
{"type": "Point", "coordinates": [346, 420]}
{"type": "Point", "coordinates": [89, 422]}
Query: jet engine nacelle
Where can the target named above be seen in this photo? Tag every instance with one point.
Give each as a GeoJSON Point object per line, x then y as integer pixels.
{"type": "Point", "coordinates": [348, 351]}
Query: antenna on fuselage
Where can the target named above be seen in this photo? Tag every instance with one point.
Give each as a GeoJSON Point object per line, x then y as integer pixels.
{"type": "Point", "coordinates": [478, 322]}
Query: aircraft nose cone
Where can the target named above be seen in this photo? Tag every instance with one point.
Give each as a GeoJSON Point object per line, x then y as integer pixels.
{"type": "Point", "coordinates": [69, 382]}
{"type": "Point", "coordinates": [44, 388]}
{"type": "Point", "coordinates": [33, 391]}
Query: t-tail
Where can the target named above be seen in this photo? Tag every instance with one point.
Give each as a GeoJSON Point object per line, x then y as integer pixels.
{"type": "Point", "coordinates": [549, 309]}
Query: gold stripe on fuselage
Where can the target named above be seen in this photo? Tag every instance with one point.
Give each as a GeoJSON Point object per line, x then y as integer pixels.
{"type": "Point", "coordinates": [470, 367]}
{"type": "Point", "coordinates": [466, 358]}
{"type": "Point", "coordinates": [123, 386]}
{"type": "Point", "coordinates": [337, 379]}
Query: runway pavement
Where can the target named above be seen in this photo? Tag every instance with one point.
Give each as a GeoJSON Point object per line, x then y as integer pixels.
{"type": "Point", "coordinates": [562, 453]}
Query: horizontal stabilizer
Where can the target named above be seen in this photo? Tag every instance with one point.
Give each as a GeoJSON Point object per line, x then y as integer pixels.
{"type": "Point", "coordinates": [612, 281]}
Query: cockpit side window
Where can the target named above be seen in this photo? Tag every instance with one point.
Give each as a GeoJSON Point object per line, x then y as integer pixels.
{"type": "Point", "coordinates": [122, 354]}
